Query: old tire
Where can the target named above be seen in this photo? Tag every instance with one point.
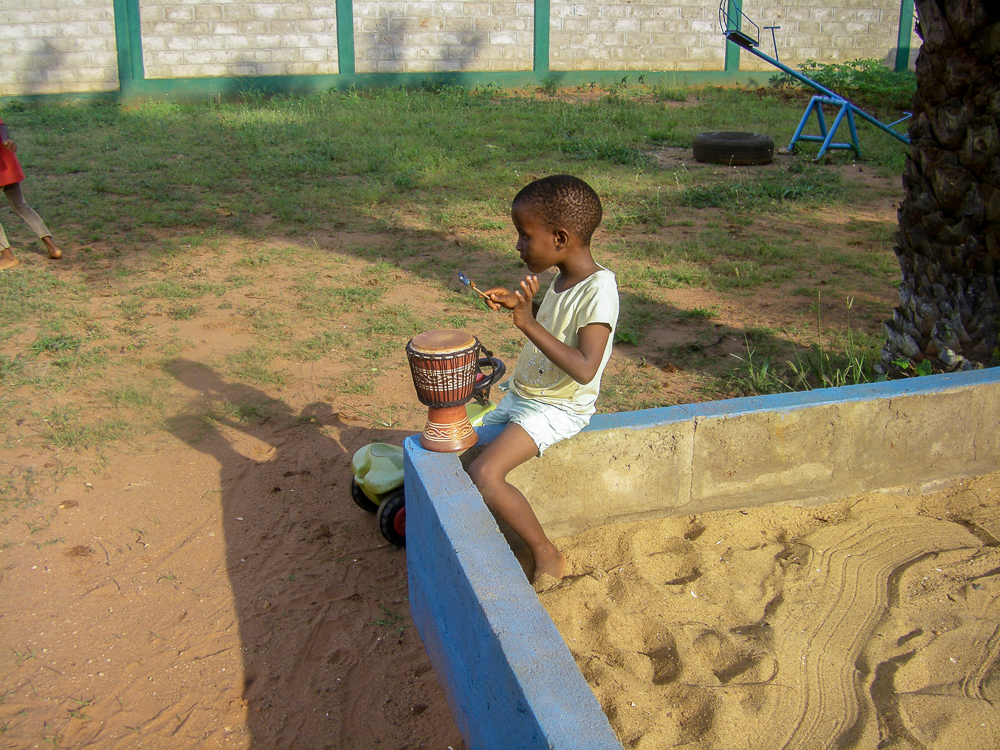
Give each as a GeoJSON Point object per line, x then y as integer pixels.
{"type": "Point", "coordinates": [734, 149]}
{"type": "Point", "coordinates": [392, 518]}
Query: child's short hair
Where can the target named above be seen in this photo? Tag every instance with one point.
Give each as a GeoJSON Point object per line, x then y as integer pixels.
{"type": "Point", "coordinates": [563, 200]}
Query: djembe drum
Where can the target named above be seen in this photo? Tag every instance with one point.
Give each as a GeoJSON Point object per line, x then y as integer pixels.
{"type": "Point", "coordinates": [445, 365]}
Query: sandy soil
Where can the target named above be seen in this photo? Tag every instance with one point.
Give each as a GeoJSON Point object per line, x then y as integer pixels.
{"type": "Point", "coordinates": [870, 622]}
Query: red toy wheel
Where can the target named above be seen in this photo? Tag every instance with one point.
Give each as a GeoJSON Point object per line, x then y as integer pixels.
{"type": "Point", "coordinates": [392, 518]}
{"type": "Point", "coordinates": [361, 499]}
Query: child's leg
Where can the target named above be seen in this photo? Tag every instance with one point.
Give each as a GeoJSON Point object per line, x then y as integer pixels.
{"type": "Point", "coordinates": [33, 220]}
{"type": "Point", "coordinates": [7, 259]}
{"type": "Point", "coordinates": [489, 473]}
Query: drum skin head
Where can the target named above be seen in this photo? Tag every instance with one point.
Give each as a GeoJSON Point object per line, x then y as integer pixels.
{"type": "Point", "coordinates": [442, 341]}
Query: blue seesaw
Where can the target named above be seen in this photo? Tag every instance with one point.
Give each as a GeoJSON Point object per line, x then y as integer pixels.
{"type": "Point", "coordinates": [731, 20]}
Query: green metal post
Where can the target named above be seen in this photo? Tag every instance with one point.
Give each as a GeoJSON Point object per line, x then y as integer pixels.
{"type": "Point", "coordinates": [345, 37]}
{"type": "Point", "coordinates": [128, 39]}
{"type": "Point", "coordinates": [905, 30]}
{"type": "Point", "coordinates": [543, 19]}
{"type": "Point", "coordinates": [732, 49]}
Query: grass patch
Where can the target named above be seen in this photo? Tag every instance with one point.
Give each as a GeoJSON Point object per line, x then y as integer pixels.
{"type": "Point", "coordinates": [64, 429]}
{"type": "Point", "coordinates": [326, 298]}
{"type": "Point", "coordinates": [253, 365]}
{"type": "Point", "coordinates": [677, 277]}
{"type": "Point", "coordinates": [699, 313]}
{"type": "Point", "coordinates": [634, 385]}
{"type": "Point", "coordinates": [758, 194]}
{"type": "Point", "coordinates": [186, 312]}
{"type": "Point", "coordinates": [246, 411]}
{"type": "Point", "coordinates": [134, 397]}
{"type": "Point", "coordinates": [55, 344]}
{"type": "Point", "coordinates": [319, 345]}
{"type": "Point", "coordinates": [210, 212]}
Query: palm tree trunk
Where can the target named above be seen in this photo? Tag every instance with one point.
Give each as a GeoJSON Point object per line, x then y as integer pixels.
{"type": "Point", "coordinates": [949, 222]}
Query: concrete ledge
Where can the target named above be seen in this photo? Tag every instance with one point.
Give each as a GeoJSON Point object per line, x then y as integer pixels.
{"type": "Point", "coordinates": [509, 677]}
{"type": "Point", "coordinates": [814, 446]}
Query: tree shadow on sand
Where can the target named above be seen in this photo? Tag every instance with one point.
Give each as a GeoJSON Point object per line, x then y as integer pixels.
{"type": "Point", "coordinates": [330, 656]}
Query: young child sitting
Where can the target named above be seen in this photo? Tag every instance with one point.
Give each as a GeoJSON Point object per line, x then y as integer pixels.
{"type": "Point", "coordinates": [558, 374]}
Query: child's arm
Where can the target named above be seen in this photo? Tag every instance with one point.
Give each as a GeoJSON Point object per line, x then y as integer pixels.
{"type": "Point", "coordinates": [5, 139]}
{"type": "Point", "coordinates": [581, 362]}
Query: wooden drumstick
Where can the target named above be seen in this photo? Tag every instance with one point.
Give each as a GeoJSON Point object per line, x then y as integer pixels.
{"type": "Point", "coordinates": [470, 283]}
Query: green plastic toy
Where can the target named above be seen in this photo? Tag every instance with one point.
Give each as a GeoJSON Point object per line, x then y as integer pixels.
{"type": "Point", "coordinates": [377, 486]}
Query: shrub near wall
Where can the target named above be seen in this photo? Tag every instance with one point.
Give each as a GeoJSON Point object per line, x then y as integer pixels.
{"type": "Point", "coordinates": [57, 46]}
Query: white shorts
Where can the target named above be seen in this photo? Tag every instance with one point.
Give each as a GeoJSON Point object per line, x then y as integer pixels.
{"type": "Point", "coordinates": [545, 424]}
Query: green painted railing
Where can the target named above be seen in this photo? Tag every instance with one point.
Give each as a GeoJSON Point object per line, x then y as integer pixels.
{"type": "Point", "coordinates": [543, 23]}
{"type": "Point", "coordinates": [733, 50]}
{"type": "Point", "coordinates": [128, 38]}
{"type": "Point", "coordinates": [903, 40]}
{"type": "Point", "coordinates": [345, 37]}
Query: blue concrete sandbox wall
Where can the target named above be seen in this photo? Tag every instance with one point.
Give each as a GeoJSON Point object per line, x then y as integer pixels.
{"type": "Point", "coordinates": [511, 681]}
{"type": "Point", "coordinates": [509, 678]}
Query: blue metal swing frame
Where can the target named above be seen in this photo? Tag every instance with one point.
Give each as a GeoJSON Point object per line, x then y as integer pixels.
{"type": "Point", "coordinates": [731, 19]}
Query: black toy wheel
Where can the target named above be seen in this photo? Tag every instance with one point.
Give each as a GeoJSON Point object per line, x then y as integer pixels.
{"type": "Point", "coordinates": [361, 499]}
{"type": "Point", "coordinates": [392, 518]}
{"type": "Point", "coordinates": [734, 149]}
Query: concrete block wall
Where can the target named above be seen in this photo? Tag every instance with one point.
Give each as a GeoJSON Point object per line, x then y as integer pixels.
{"type": "Point", "coordinates": [685, 34]}
{"type": "Point", "coordinates": [205, 39]}
{"type": "Point", "coordinates": [828, 31]}
{"type": "Point", "coordinates": [636, 35]}
{"type": "Point", "coordinates": [402, 36]}
{"type": "Point", "coordinates": [69, 46]}
{"type": "Point", "coordinates": [55, 46]}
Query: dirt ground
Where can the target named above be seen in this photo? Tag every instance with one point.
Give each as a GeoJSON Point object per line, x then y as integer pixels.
{"type": "Point", "coordinates": [222, 594]}
{"type": "Point", "coordinates": [208, 582]}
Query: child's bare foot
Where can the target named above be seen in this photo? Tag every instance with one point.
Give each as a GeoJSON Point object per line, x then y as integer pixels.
{"type": "Point", "coordinates": [544, 583]}
{"type": "Point", "coordinates": [7, 259]}
{"type": "Point", "coordinates": [549, 561]}
{"type": "Point", "coordinates": [54, 252]}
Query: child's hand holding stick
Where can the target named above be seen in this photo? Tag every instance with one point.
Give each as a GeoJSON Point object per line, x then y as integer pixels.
{"type": "Point", "coordinates": [470, 283]}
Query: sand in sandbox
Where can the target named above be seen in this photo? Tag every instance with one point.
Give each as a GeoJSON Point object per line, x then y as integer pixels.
{"type": "Point", "coordinates": [869, 622]}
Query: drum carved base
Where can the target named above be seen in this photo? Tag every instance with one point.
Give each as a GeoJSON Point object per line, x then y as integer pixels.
{"type": "Point", "coordinates": [448, 430]}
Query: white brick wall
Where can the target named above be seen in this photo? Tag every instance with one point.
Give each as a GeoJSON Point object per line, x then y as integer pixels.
{"type": "Point", "coordinates": [209, 38]}
{"type": "Point", "coordinates": [636, 35]}
{"type": "Point", "coordinates": [60, 46]}
{"type": "Point", "coordinates": [828, 31]}
{"type": "Point", "coordinates": [57, 46]}
{"type": "Point", "coordinates": [404, 36]}
{"type": "Point", "coordinates": [685, 34]}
